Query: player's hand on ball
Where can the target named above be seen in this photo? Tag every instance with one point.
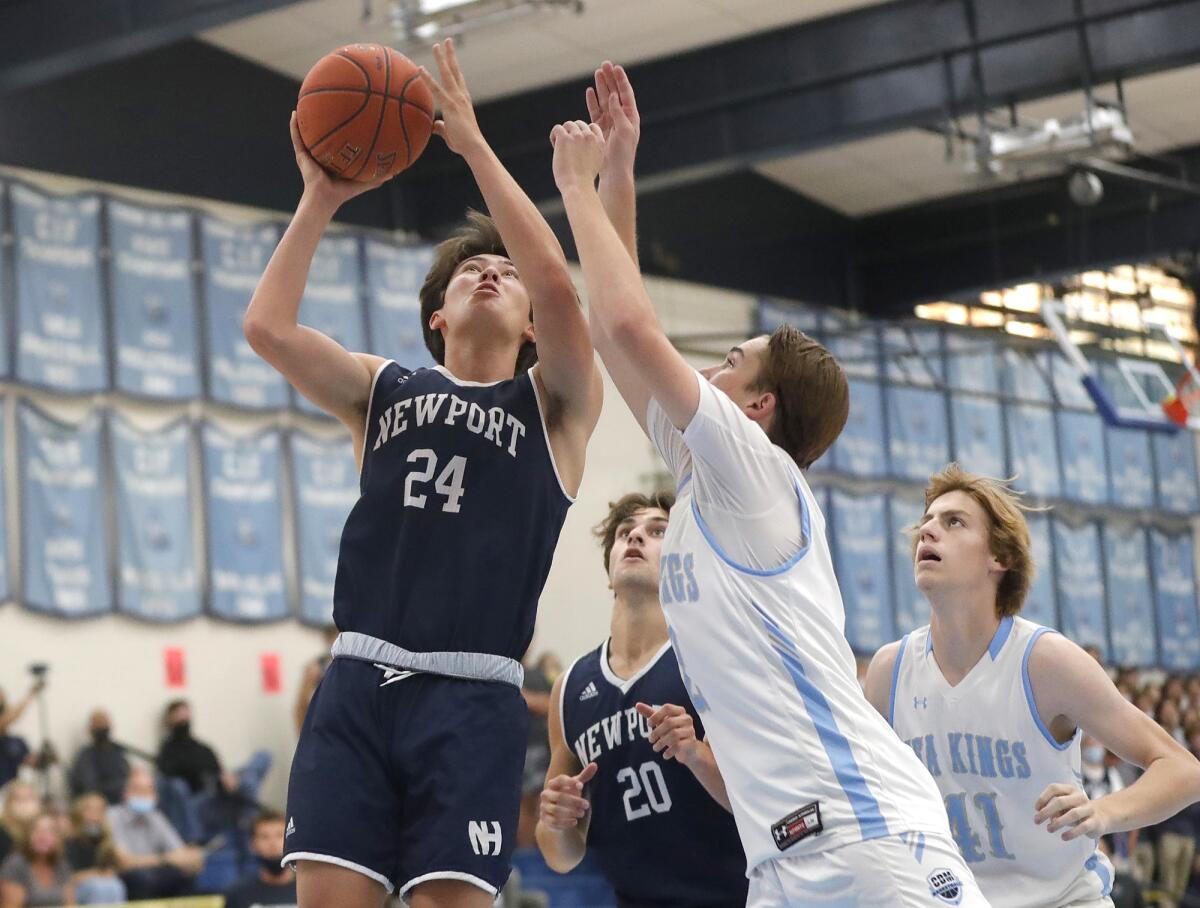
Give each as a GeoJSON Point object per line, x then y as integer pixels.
{"type": "Point", "coordinates": [562, 804]}
{"type": "Point", "coordinates": [318, 183]}
{"type": "Point", "coordinates": [1069, 808]}
{"type": "Point", "coordinates": [613, 108]}
{"type": "Point", "coordinates": [457, 126]}
{"type": "Point", "coordinates": [578, 154]}
{"type": "Point", "coordinates": [672, 731]}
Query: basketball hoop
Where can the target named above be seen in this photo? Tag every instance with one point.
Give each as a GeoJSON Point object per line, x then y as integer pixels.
{"type": "Point", "coordinates": [1184, 401]}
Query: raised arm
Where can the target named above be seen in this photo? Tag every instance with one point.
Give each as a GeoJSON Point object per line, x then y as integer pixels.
{"type": "Point", "coordinates": [566, 362]}
{"type": "Point", "coordinates": [337, 381]}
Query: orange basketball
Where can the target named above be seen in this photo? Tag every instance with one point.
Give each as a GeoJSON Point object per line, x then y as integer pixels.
{"type": "Point", "coordinates": [364, 112]}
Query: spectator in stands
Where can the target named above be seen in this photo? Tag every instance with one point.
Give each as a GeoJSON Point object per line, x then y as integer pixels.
{"type": "Point", "coordinates": [1168, 717]}
{"type": "Point", "coordinates": [550, 665]}
{"type": "Point", "coordinates": [1146, 701]}
{"type": "Point", "coordinates": [101, 765]}
{"type": "Point", "coordinates": [92, 854]}
{"type": "Point", "coordinates": [314, 671]}
{"type": "Point", "coordinates": [1173, 689]}
{"type": "Point", "coordinates": [21, 805]}
{"type": "Point", "coordinates": [1192, 688]}
{"type": "Point", "coordinates": [1175, 848]}
{"type": "Point", "coordinates": [37, 873]}
{"type": "Point", "coordinates": [271, 884]}
{"type": "Point", "coordinates": [183, 757]}
{"type": "Point", "coordinates": [14, 752]}
{"type": "Point", "coordinates": [152, 858]}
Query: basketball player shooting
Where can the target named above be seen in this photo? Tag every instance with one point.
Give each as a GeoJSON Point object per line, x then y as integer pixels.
{"type": "Point", "coordinates": [995, 706]}
{"type": "Point", "coordinates": [407, 774]}
{"type": "Point", "coordinates": [832, 808]}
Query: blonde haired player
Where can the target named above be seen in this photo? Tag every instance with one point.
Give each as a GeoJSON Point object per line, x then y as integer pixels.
{"type": "Point", "coordinates": [995, 705]}
{"type": "Point", "coordinates": [831, 808]}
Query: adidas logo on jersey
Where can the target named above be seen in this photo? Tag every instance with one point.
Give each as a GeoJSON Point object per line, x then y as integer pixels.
{"type": "Point", "coordinates": [589, 692]}
{"type": "Point", "coordinates": [291, 827]}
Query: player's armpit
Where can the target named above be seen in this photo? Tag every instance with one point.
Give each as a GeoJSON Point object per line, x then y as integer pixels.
{"type": "Point", "coordinates": [878, 685]}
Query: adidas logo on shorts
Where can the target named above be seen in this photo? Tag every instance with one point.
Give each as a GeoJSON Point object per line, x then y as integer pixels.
{"type": "Point", "coordinates": [589, 692]}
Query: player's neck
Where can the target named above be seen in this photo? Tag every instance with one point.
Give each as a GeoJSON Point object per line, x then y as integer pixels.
{"type": "Point", "coordinates": [638, 631]}
{"type": "Point", "coordinates": [961, 632]}
{"type": "Point", "coordinates": [475, 359]}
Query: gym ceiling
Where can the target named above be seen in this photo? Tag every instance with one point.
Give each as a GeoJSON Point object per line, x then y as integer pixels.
{"type": "Point", "coordinates": [810, 149]}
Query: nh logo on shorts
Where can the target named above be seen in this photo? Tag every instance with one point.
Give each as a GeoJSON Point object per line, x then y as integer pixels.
{"type": "Point", "coordinates": [485, 841]}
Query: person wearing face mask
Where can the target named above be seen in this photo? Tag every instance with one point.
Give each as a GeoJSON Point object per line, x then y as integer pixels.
{"type": "Point", "coordinates": [92, 855]}
{"type": "Point", "coordinates": [100, 766]}
{"type": "Point", "coordinates": [37, 873]}
{"type": "Point", "coordinates": [153, 860]}
{"type": "Point", "coordinates": [183, 757]}
{"type": "Point", "coordinates": [271, 884]}
{"type": "Point", "coordinates": [21, 805]}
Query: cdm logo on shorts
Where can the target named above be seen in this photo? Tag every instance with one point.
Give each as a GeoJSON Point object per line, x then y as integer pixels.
{"type": "Point", "coordinates": [485, 837]}
{"type": "Point", "coordinates": [945, 886]}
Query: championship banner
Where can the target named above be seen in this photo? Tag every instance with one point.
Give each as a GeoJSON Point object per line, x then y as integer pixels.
{"type": "Point", "coordinates": [245, 525]}
{"type": "Point", "coordinates": [234, 259]}
{"type": "Point", "coordinates": [912, 608]}
{"type": "Point", "coordinates": [860, 558]}
{"type": "Point", "coordinates": [1084, 467]}
{"type": "Point", "coordinates": [1175, 471]}
{"type": "Point", "coordinates": [61, 336]}
{"type": "Point", "coordinates": [1080, 584]}
{"type": "Point", "coordinates": [154, 301]}
{"type": "Point", "coordinates": [918, 442]}
{"type": "Point", "coordinates": [1041, 603]}
{"type": "Point", "coordinates": [860, 449]}
{"type": "Point", "coordinates": [157, 579]}
{"type": "Point", "coordinates": [326, 480]}
{"type": "Point", "coordinates": [1130, 598]}
{"type": "Point", "coordinates": [856, 348]}
{"type": "Point", "coordinates": [1033, 449]}
{"type": "Point", "coordinates": [1173, 559]}
{"type": "Point", "coordinates": [394, 277]}
{"type": "Point", "coordinates": [978, 424]}
{"type": "Point", "coordinates": [1026, 377]}
{"type": "Point", "coordinates": [972, 364]}
{"type": "Point", "coordinates": [64, 551]}
{"type": "Point", "coordinates": [332, 302]}
{"type": "Point", "coordinates": [1130, 467]}
{"type": "Point", "coordinates": [913, 356]}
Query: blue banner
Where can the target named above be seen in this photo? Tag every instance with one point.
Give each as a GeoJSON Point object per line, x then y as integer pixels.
{"type": "Point", "coordinates": [1068, 384]}
{"type": "Point", "coordinates": [860, 449]}
{"type": "Point", "coordinates": [978, 434]}
{"type": "Point", "coordinates": [770, 314]}
{"type": "Point", "coordinates": [1033, 449]}
{"type": "Point", "coordinates": [1130, 467]}
{"type": "Point", "coordinates": [912, 608]}
{"type": "Point", "coordinates": [1175, 600]}
{"type": "Point", "coordinates": [234, 259]}
{"type": "Point", "coordinates": [154, 301]}
{"type": "Point", "coordinates": [5, 283]}
{"type": "Point", "coordinates": [856, 347]}
{"type": "Point", "coordinates": [913, 356]}
{"type": "Point", "coordinates": [332, 302]}
{"type": "Point", "coordinates": [1175, 471]}
{"type": "Point", "coordinates": [61, 335]}
{"type": "Point", "coordinates": [157, 579]}
{"type": "Point", "coordinates": [5, 590]}
{"type": "Point", "coordinates": [1084, 466]}
{"type": "Point", "coordinates": [861, 558]}
{"type": "Point", "coordinates": [64, 552]}
{"type": "Point", "coordinates": [972, 363]}
{"type": "Point", "coordinates": [1027, 377]}
{"type": "Point", "coordinates": [245, 528]}
{"type": "Point", "coordinates": [1130, 599]}
{"type": "Point", "coordinates": [1081, 585]}
{"type": "Point", "coordinates": [394, 277]}
{"type": "Point", "coordinates": [326, 489]}
{"type": "Point", "coordinates": [1041, 603]}
{"type": "Point", "coordinates": [917, 438]}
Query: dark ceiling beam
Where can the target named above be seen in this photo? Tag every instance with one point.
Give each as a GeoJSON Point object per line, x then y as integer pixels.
{"type": "Point", "coordinates": [41, 40]}
{"type": "Point", "coordinates": [903, 64]}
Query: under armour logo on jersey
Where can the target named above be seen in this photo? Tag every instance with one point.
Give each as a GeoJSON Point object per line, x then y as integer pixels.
{"type": "Point", "coordinates": [945, 886]}
{"type": "Point", "coordinates": [589, 692]}
{"type": "Point", "coordinates": [920, 702]}
{"type": "Point", "coordinates": [485, 842]}
{"type": "Point", "coordinates": [392, 675]}
{"type": "Point", "coordinates": [291, 827]}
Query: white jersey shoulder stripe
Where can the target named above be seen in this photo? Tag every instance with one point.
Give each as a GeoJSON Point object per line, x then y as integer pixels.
{"type": "Point", "coordinates": [805, 540]}
{"type": "Point", "coordinates": [1037, 716]}
{"type": "Point", "coordinates": [837, 748]}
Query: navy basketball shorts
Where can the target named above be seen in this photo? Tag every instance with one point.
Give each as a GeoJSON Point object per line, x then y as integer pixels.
{"type": "Point", "coordinates": [408, 777]}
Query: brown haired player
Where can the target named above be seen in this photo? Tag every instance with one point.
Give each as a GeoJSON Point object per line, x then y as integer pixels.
{"type": "Point", "coordinates": [995, 707]}
{"type": "Point", "coordinates": [631, 777]}
{"type": "Point", "coordinates": [408, 770]}
{"type": "Point", "coordinates": [825, 797]}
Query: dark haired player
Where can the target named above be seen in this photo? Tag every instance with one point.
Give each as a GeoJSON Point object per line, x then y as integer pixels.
{"type": "Point", "coordinates": [631, 778]}
{"type": "Point", "coordinates": [408, 770]}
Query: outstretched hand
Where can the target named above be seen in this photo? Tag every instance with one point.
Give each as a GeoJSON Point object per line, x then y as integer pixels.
{"type": "Point", "coordinates": [457, 126]}
{"type": "Point", "coordinates": [578, 154]}
{"type": "Point", "coordinates": [562, 804]}
{"type": "Point", "coordinates": [613, 107]}
{"type": "Point", "coordinates": [672, 731]}
{"type": "Point", "coordinates": [318, 182]}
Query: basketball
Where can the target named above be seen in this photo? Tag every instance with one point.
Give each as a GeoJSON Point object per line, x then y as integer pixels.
{"type": "Point", "coordinates": [364, 113]}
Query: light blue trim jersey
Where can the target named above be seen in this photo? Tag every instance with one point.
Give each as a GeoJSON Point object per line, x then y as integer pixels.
{"type": "Point", "coordinates": [807, 762]}
{"type": "Point", "coordinates": [991, 756]}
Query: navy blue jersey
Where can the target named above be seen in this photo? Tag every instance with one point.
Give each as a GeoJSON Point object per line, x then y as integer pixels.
{"type": "Point", "coordinates": [448, 547]}
{"type": "Point", "coordinates": [659, 837]}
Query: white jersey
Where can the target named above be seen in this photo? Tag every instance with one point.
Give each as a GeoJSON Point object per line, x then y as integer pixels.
{"type": "Point", "coordinates": [991, 755]}
{"type": "Point", "coordinates": [808, 764]}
